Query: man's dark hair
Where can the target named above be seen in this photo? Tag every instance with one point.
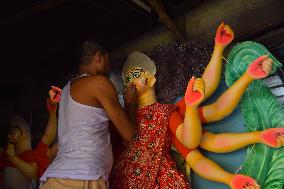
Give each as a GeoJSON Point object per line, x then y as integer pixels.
{"type": "Point", "coordinates": [87, 49]}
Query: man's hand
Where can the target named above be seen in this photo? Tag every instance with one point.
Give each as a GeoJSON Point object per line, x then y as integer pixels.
{"type": "Point", "coordinates": [224, 35]}
{"type": "Point", "coordinates": [260, 68]}
{"type": "Point", "coordinates": [54, 98]}
{"type": "Point", "coordinates": [10, 151]}
{"type": "Point", "coordinates": [195, 92]}
{"type": "Point", "coordinates": [130, 94]}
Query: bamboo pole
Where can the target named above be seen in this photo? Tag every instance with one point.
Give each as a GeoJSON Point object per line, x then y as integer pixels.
{"type": "Point", "coordinates": [158, 7]}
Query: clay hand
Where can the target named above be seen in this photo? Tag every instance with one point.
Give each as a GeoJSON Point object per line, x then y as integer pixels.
{"type": "Point", "coordinates": [224, 35]}
{"type": "Point", "coordinates": [130, 94]}
{"type": "Point", "coordinates": [54, 94]}
{"type": "Point", "coordinates": [260, 68]}
{"type": "Point", "coordinates": [194, 94]}
{"type": "Point", "coordinates": [273, 137]}
{"type": "Point", "coordinates": [240, 181]}
{"type": "Point", "coordinates": [54, 98]}
{"type": "Point", "coordinates": [10, 151]}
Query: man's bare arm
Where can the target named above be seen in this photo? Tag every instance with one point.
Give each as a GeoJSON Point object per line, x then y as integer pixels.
{"type": "Point", "coordinates": [130, 97]}
{"type": "Point", "coordinates": [105, 93]}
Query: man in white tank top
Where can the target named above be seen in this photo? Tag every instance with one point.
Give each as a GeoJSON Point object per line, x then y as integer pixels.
{"type": "Point", "coordinates": [88, 102]}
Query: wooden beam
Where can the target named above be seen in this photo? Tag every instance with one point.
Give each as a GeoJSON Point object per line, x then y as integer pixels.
{"type": "Point", "coordinates": [36, 9]}
{"type": "Point", "coordinates": [142, 5]}
{"type": "Point", "coordinates": [158, 7]}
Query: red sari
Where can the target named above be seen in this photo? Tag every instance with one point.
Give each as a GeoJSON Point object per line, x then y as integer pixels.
{"type": "Point", "coordinates": [146, 163]}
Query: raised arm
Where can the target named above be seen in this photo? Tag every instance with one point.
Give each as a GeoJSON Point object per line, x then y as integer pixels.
{"type": "Point", "coordinates": [189, 130]}
{"type": "Point", "coordinates": [130, 97]}
{"type": "Point", "coordinates": [51, 128]}
{"type": "Point", "coordinates": [227, 102]}
{"type": "Point", "coordinates": [212, 73]}
{"type": "Point", "coordinates": [105, 93]}
{"type": "Point", "coordinates": [192, 129]}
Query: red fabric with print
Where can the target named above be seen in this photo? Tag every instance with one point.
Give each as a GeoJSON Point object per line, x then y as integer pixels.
{"type": "Point", "coordinates": [146, 163]}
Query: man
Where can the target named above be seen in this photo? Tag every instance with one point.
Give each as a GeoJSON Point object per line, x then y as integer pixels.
{"type": "Point", "coordinates": [88, 101]}
{"type": "Point", "coordinates": [23, 165]}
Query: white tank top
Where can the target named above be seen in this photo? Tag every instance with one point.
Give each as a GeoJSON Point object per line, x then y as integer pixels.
{"type": "Point", "coordinates": [85, 150]}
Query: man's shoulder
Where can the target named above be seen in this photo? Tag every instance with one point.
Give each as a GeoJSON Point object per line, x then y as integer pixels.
{"type": "Point", "coordinates": [99, 79]}
{"type": "Point", "coordinates": [101, 86]}
{"type": "Point", "coordinates": [100, 82]}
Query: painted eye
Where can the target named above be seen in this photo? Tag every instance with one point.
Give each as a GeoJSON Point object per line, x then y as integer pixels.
{"type": "Point", "coordinates": [127, 79]}
{"type": "Point", "coordinates": [136, 75]}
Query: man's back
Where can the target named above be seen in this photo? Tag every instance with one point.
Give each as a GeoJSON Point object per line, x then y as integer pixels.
{"type": "Point", "coordinates": [83, 89]}
{"type": "Point", "coordinates": [84, 143]}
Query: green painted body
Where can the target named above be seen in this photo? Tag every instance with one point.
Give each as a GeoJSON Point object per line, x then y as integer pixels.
{"type": "Point", "coordinates": [261, 111]}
